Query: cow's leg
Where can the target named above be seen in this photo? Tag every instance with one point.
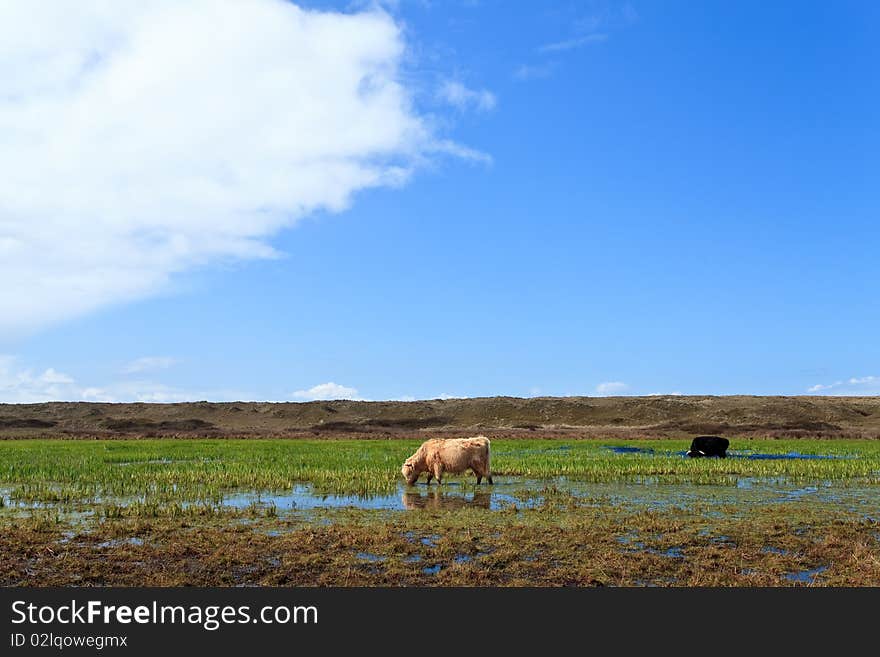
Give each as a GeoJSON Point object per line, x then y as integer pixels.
{"type": "Point", "coordinates": [430, 477]}
{"type": "Point", "coordinates": [489, 477]}
{"type": "Point", "coordinates": [479, 478]}
{"type": "Point", "coordinates": [438, 472]}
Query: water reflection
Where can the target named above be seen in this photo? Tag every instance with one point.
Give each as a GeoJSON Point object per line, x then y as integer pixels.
{"type": "Point", "coordinates": [436, 499]}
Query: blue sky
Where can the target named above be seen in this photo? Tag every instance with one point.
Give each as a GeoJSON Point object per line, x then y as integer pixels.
{"type": "Point", "coordinates": [572, 198]}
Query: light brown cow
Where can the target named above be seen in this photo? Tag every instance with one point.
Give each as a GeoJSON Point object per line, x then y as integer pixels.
{"type": "Point", "coordinates": [454, 455]}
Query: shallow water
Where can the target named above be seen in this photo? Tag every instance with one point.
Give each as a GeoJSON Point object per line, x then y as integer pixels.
{"type": "Point", "coordinates": [530, 493]}
{"type": "Point", "coordinates": [806, 576]}
{"type": "Point", "coordinates": [305, 499]}
{"type": "Point", "coordinates": [632, 543]}
{"type": "Point", "coordinates": [119, 542]}
{"type": "Point", "coordinates": [732, 454]}
{"type": "Point", "coordinates": [527, 493]}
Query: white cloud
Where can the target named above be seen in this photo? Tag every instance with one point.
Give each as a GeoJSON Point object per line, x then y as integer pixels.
{"type": "Point", "coordinates": [140, 139]}
{"type": "Point", "coordinates": [463, 98]}
{"type": "Point", "coordinates": [52, 377]}
{"type": "Point", "coordinates": [594, 28]}
{"type": "Point", "coordinates": [529, 72]}
{"type": "Point", "coordinates": [609, 388]}
{"type": "Point", "coordinates": [855, 386]}
{"type": "Point", "coordinates": [325, 392]}
{"type": "Point", "coordinates": [22, 385]}
{"type": "Point", "coordinates": [153, 393]}
{"type": "Point", "coordinates": [457, 150]}
{"type": "Point", "coordinates": [148, 364]}
{"type": "Point", "coordinates": [572, 44]}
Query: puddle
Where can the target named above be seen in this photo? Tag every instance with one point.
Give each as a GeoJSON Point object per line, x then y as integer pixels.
{"type": "Point", "coordinates": [427, 541]}
{"type": "Point", "coordinates": [633, 544]}
{"type": "Point", "coordinates": [673, 552]}
{"type": "Point", "coordinates": [413, 558]}
{"type": "Point", "coordinates": [663, 581]}
{"type": "Point", "coordinates": [769, 549]}
{"type": "Point", "coordinates": [432, 570]}
{"type": "Point", "coordinates": [304, 498]}
{"type": "Point", "coordinates": [629, 450]}
{"type": "Point", "coordinates": [731, 454]}
{"type": "Point", "coordinates": [631, 541]}
{"type": "Point", "coordinates": [369, 556]}
{"type": "Point", "coordinates": [806, 576]}
{"type": "Point", "coordinates": [467, 558]}
{"type": "Point", "coordinates": [119, 542]}
{"type": "Point", "coordinates": [801, 492]}
{"type": "Point", "coordinates": [512, 493]}
{"type": "Point", "coordinates": [437, 500]}
{"type": "Point", "coordinates": [637, 546]}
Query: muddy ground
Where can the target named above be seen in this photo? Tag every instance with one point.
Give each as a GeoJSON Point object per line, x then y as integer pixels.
{"type": "Point", "coordinates": [559, 544]}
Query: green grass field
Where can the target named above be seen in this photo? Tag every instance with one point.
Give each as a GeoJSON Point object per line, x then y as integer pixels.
{"type": "Point", "coordinates": [165, 470]}
{"type": "Point", "coordinates": [570, 513]}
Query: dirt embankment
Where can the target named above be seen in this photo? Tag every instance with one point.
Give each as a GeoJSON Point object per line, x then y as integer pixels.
{"type": "Point", "coordinates": [510, 417]}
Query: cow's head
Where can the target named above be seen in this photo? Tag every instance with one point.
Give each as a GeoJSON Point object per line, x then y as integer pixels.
{"type": "Point", "coordinates": [409, 472]}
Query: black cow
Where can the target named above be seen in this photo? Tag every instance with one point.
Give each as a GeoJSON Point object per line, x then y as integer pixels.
{"type": "Point", "coordinates": [709, 446]}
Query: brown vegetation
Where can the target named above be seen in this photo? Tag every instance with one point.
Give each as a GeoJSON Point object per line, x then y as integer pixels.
{"type": "Point", "coordinates": [507, 417]}
{"type": "Point", "coordinates": [777, 546]}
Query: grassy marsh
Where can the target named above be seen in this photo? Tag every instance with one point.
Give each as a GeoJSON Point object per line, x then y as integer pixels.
{"type": "Point", "coordinates": [557, 544]}
{"type": "Point", "coordinates": [163, 471]}
{"type": "Point", "coordinates": [153, 512]}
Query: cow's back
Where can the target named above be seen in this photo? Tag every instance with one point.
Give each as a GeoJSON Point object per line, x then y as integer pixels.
{"type": "Point", "coordinates": [458, 454]}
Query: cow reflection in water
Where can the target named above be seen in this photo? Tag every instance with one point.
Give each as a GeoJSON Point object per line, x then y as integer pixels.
{"type": "Point", "coordinates": [434, 499]}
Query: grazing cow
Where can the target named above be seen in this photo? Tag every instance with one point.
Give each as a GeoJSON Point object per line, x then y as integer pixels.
{"type": "Point", "coordinates": [709, 446]}
{"type": "Point", "coordinates": [454, 455]}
